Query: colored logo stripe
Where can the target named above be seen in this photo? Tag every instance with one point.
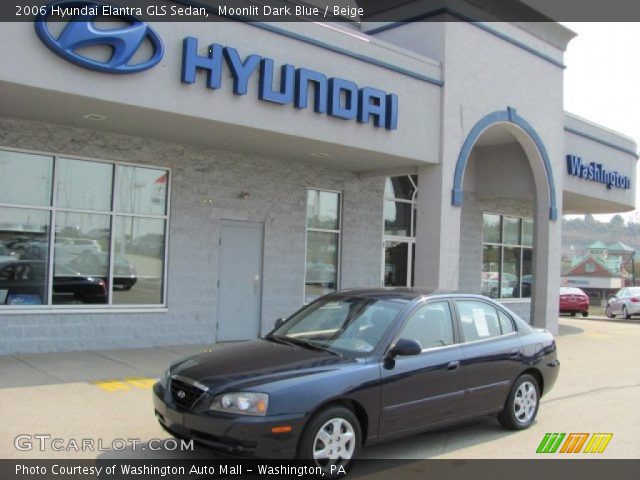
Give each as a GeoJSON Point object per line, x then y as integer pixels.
{"type": "Point", "coordinates": [574, 442]}
{"type": "Point", "coordinates": [550, 443]}
{"type": "Point", "coordinates": [598, 442]}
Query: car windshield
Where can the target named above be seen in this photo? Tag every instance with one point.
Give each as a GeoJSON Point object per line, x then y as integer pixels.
{"type": "Point", "coordinates": [350, 325]}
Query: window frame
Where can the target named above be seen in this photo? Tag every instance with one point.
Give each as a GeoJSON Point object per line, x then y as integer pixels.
{"type": "Point", "coordinates": [338, 232]}
{"type": "Point", "coordinates": [463, 341]}
{"type": "Point", "coordinates": [521, 247]}
{"type": "Point", "coordinates": [410, 239]}
{"type": "Point", "coordinates": [457, 334]}
{"type": "Point", "coordinates": [112, 213]}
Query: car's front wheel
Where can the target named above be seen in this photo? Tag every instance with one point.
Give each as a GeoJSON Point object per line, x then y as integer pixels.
{"type": "Point", "coordinates": [608, 312]}
{"type": "Point", "coordinates": [625, 314]}
{"type": "Point", "coordinates": [522, 404]}
{"type": "Point", "coordinates": [332, 437]}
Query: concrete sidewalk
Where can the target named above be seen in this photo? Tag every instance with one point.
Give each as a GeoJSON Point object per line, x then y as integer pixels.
{"type": "Point", "coordinates": [90, 366]}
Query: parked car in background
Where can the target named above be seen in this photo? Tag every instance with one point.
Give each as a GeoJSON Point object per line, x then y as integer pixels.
{"type": "Point", "coordinates": [77, 246]}
{"type": "Point", "coordinates": [23, 280]}
{"type": "Point", "coordinates": [625, 302]}
{"type": "Point", "coordinates": [6, 254]}
{"type": "Point", "coordinates": [359, 367]}
{"type": "Point", "coordinates": [573, 300]}
{"type": "Point", "coordinates": [97, 265]}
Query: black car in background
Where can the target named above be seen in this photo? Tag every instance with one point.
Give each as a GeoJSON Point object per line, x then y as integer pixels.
{"type": "Point", "coordinates": [23, 281]}
{"type": "Point", "coordinates": [359, 367]}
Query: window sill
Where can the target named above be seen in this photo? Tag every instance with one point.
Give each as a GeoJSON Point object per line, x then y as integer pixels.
{"type": "Point", "coordinates": [53, 311]}
{"type": "Point", "coordinates": [513, 300]}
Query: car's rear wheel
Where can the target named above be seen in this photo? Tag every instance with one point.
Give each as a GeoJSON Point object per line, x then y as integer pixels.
{"type": "Point", "coordinates": [573, 314]}
{"type": "Point", "coordinates": [608, 312]}
{"type": "Point", "coordinates": [332, 437]}
{"type": "Point", "coordinates": [585, 314]}
{"type": "Point", "coordinates": [625, 314]}
{"type": "Point", "coordinates": [522, 404]}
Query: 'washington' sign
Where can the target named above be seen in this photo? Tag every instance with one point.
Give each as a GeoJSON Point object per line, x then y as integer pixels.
{"type": "Point", "coordinates": [595, 172]}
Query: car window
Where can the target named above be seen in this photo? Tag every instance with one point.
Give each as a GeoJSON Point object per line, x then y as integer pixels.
{"type": "Point", "coordinates": [431, 325]}
{"type": "Point", "coordinates": [8, 272]}
{"type": "Point", "coordinates": [622, 293]}
{"type": "Point", "coordinates": [506, 324]}
{"type": "Point", "coordinates": [479, 320]}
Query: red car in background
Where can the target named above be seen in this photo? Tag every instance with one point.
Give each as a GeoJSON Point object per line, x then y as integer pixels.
{"type": "Point", "coordinates": [573, 300]}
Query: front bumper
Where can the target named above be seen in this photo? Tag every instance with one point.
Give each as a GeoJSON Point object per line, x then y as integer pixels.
{"type": "Point", "coordinates": [242, 436]}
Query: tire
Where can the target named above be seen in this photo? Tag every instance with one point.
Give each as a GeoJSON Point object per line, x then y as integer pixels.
{"type": "Point", "coordinates": [585, 314]}
{"type": "Point", "coordinates": [517, 415]}
{"type": "Point", "coordinates": [625, 314]}
{"type": "Point", "coordinates": [573, 314]}
{"type": "Point", "coordinates": [321, 428]}
{"type": "Point", "coordinates": [608, 312]}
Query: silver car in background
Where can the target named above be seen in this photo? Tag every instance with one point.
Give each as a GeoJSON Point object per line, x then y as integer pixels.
{"type": "Point", "coordinates": [625, 302]}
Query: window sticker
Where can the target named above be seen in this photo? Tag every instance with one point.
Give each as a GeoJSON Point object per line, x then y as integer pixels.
{"type": "Point", "coordinates": [480, 322]}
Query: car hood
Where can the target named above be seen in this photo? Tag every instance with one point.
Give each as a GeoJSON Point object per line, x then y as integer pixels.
{"type": "Point", "coordinates": [256, 362]}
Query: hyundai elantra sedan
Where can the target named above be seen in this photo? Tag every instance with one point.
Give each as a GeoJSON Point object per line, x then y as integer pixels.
{"type": "Point", "coordinates": [356, 368]}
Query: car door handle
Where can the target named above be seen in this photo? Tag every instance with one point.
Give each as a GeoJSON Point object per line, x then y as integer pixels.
{"type": "Point", "coordinates": [514, 353]}
{"type": "Point", "coordinates": [453, 365]}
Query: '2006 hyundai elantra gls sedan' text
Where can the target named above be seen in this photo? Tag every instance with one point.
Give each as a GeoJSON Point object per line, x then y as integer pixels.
{"type": "Point", "coordinates": [358, 367]}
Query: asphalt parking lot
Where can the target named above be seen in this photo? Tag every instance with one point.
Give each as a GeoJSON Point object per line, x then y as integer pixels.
{"type": "Point", "coordinates": [106, 395]}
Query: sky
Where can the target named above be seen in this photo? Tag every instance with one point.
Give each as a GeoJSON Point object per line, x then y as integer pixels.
{"type": "Point", "coordinates": [601, 82]}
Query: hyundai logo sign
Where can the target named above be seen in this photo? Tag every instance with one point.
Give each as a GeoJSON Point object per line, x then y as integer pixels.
{"type": "Point", "coordinates": [81, 32]}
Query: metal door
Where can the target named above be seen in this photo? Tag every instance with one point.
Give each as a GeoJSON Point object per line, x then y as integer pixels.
{"type": "Point", "coordinates": [239, 281]}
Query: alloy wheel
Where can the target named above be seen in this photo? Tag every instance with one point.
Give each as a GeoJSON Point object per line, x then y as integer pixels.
{"type": "Point", "coordinates": [335, 442]}
{"type": "Point", "coordinates": [525, 402]}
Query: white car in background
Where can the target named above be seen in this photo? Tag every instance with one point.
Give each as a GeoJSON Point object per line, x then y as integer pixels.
{"type": "Point", "coordinates": [78, 246]}
{"type": "Point", "coordinates": [625, 302]}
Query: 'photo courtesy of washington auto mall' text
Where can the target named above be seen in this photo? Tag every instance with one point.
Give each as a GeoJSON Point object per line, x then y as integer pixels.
{"type": "Point", "coordinates": [368, 239]}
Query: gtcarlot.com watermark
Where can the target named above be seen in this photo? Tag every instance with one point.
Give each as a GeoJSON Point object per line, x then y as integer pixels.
{"type": "Point", "coordinates": [45, 442]}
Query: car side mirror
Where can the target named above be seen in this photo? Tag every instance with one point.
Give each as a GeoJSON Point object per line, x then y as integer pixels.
{"type": "Point", "coordinates": [612, 297]}
{"type": "Point", "coordinates": [404, 346]}
{"type": "Point", "coordinates": [279, 322]}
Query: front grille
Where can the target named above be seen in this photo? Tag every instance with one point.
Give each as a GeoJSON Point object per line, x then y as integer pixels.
{"type": "Point", "coordinates": [184, 394]}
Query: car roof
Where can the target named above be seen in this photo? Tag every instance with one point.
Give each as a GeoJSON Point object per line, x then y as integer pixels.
{"type": "Point", "coordinates": [402, 293]}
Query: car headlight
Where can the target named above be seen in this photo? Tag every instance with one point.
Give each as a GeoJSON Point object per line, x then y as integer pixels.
{"type": "Point", "coordinates": [164, 379]}
{"type": "Point", "coordinates": [245, 403]}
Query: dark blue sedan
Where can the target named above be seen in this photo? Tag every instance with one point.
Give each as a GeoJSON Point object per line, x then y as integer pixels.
{"type": "Point", "coordinates": [359, 367]}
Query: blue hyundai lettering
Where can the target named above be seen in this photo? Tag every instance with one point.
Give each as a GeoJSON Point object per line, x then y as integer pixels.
{"type": "Point", "coordinates": [335, 96]}
{"type": "Point", "coordinates": [82, 32]}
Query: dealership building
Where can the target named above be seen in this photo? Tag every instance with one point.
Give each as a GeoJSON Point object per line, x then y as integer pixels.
{"type": "Point", "coordinates": [199, 180]}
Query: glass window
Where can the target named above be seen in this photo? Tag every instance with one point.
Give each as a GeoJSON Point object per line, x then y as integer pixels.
{"type": "Point", "coordinates": [24, 256]}
{"type": "Point", "coordinates": [397, 218]}
{"type": "Point", "coordinates": [351, 325]}
{"type": "Point", "coordinates": [510, 284]}
{"type": "Point", "coordinates": [479, 320]}
{"type": "Point", "coordinates": [491, 260]}
{"type": "Point", "coordinates": [511, 235]}
{"type": "Point", "coordinates": [83, 271]}
{"type": "Point", "coordinates": [507, 260]}
{"type": "Point", "coordinates": [491, 228]}
{"type": "Point", "coordinates": [431, 325]}
{"type": "Point", "coordinates": [142, 190]}
{"type": "Point", "coordinates": [25, 179]}
{"type": "Point", "coordinates": [138, 262]}
{"type": "Point", "coordinates": [396, 256]}
{"type": "Point", "coordinates": [527, 232]}
{"type": "Point", "coordinates": [323, 210]}
{"type": "Point", "coordinates": [323, 243]}
{"type": "Point", "coordinates": [401, 187]}
{"type": "Point", "coordinates": [80, 263]}
{"type": "Point", "coordinates": [83, 185]}
{"type": "Point", "coordinates": [527, 272]}
{"type": "Point", "coordinates": [506, 324]}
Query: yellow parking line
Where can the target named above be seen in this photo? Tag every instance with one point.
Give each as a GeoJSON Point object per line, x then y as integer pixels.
{"type": "Point", "coordinates": [126, 384]}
